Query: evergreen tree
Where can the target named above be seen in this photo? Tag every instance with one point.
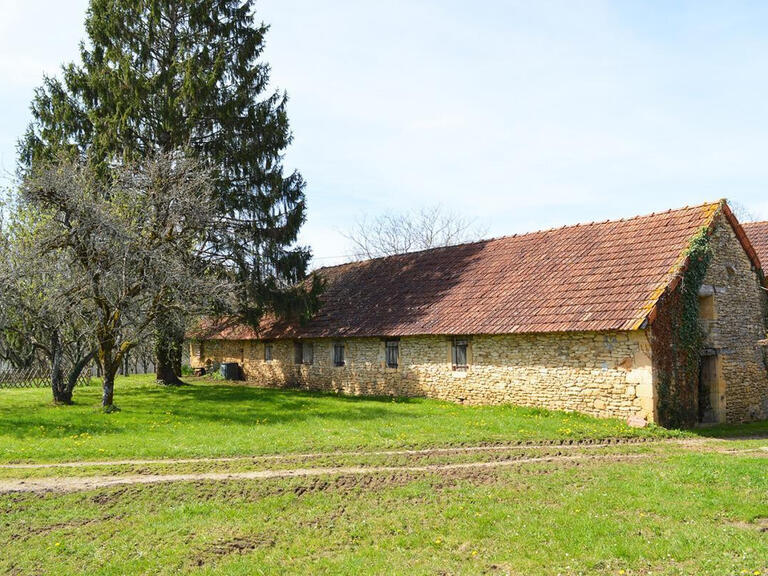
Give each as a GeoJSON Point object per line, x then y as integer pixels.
{"type": "Point", "coordinates": [160, 75]}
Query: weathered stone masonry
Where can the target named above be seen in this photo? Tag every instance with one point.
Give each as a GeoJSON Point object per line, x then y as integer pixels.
{"type": "Point", "coordinates": [604, 374]}
{"type": "Point", "coordinates": [736, 323]}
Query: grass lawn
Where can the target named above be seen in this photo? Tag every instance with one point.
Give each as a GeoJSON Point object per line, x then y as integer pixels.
{"type": "Point", "coordinates": [675, 513]}
{"type": "Point", "coordinates": [690, 505]}
{"type": "Point", "coordinates": [215, 419]}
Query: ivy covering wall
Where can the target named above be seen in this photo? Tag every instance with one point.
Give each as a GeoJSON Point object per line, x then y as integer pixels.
{"type": "Point", "coordinates": [678, 338]}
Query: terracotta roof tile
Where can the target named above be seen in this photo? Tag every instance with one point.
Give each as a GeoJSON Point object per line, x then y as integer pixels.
{"type": "Point", "coordinates": [757, 232]}
{"type": "Point", "coordinates": [601, 276]}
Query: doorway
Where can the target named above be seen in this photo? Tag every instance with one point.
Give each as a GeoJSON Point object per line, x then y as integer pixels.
{"type": "Point", "coordinates": [708, 391]}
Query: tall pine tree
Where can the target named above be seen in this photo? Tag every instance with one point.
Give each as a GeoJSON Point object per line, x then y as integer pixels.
{"type": "Point", "coordinates": [161, 75]}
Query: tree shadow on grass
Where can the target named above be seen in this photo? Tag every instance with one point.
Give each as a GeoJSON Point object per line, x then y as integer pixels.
{"type": "Point", "coordinates": [734, 431]}
{"type": "Point", "coordinates": [245, 405]}
{"type": "Point", "coordinates": [236, 405]}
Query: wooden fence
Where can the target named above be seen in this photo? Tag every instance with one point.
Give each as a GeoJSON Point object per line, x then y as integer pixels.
{"type": "Point", "coordinates": [34, 377]}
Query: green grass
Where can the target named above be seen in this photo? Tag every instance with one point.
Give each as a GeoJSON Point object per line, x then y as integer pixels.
{"type": "Point", "coordinates": [639, 509]}
{"type": "Point", "coordinates": [217, 419]}
{"type": "Point", "coordinates": [685, 513]}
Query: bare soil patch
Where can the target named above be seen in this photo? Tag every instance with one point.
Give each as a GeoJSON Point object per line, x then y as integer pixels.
{"type": "Point", "coordinates": [73, 484]}
{"type": "Point", "coordinates": [232, 546]}
{"type": "Point", "coordinates": [450, 449]}
{"type": "Point", "coordinates": [759, 524]}
{"type": "Point", "coordinates": [76, 523]}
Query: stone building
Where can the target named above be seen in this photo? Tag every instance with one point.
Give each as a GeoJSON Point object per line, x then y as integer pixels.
{"type": "Point", "coordinates": [657, 317]}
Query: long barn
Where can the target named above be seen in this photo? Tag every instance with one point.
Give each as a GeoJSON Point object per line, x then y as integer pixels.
{"type": "Point", "coordinates": [659, 317]}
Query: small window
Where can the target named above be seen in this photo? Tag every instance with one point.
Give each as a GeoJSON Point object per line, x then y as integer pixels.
{"type": "Point", "coordinates": [303, 352]}
{"type": "Point", "coordinates": [307, 353]}
{"type": "Point", "coordinates": [459, 354]}
{"type": "Point", "coordinates": [267, 352]}
{"type": "Point", "coordinates": [392, 353]}
{"type": "Point", "coordinates": [338, 354]}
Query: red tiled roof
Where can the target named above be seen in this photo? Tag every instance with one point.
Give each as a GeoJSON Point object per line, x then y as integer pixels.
{"type": "Point", "coordinates": [594, 277]}
{"type": "Point", "coordinates": [757, 232]}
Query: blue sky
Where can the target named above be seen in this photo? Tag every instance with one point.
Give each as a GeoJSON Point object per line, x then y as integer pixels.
{"type": "Point", "coordinates": [523, 115]}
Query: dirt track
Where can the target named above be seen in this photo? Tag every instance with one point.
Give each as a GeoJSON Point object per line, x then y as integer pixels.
{"type": "Point", "coordinates": [74, 484]}
{"type": "Point", "coordinates": [448, 460]}
{"type": "Point", "coordinates": [574, 444]}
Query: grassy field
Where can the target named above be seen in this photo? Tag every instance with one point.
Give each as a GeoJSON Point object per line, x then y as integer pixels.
{"type": "Point", "coordinates": [657, 503]}
{"type": "Point", "coordinates": [216, 419]}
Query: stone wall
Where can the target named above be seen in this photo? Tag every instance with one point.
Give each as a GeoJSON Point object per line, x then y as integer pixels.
{"type": "Point", "coordinates": [737, 322]}
{"type": "Point", "coordinates": [603, 374]}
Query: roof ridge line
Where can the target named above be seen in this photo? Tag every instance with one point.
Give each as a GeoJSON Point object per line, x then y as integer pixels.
{"type": "Point", "coordinates": [519, 235]}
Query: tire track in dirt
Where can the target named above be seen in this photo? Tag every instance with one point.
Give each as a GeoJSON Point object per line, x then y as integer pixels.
{"type": "Point", "coordinates": [573, 444]}
{"type": "Point", "coordinates": [76, 484]}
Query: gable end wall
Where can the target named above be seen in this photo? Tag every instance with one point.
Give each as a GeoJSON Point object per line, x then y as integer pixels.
{"type": "Point", "coordinates": [740, 322]}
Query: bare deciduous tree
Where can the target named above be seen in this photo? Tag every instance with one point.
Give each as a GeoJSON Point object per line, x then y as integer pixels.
{"type": "Point", "coordinates": [40, 310]}
{"type": "Point", "coordinates": [743, 214]}
{"type": "Point", "coordinates": [133, 243]}
{"type": "Point", "coordinates": [399, 233]}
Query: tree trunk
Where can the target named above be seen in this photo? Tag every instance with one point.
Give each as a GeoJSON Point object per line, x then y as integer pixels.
{"type": "Point", "coordinates": [168, 346]}
{"type": "Point", "coordinates": [108, 392]}
{"type": "Point", "coordinates": [77, 369]}
{"type": "Point", "coordinates": [62, 397]}
{"type": "Point", "coordinates": [166, 360]}
{"type": "Point", "coordinates": [108, 384]}
{"type": "Point", "coordinates": [178, 348]}
{"type": "Point", "coordinates": [61, 393]}
{"type": "Point", "coordinates": [110, 364]}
